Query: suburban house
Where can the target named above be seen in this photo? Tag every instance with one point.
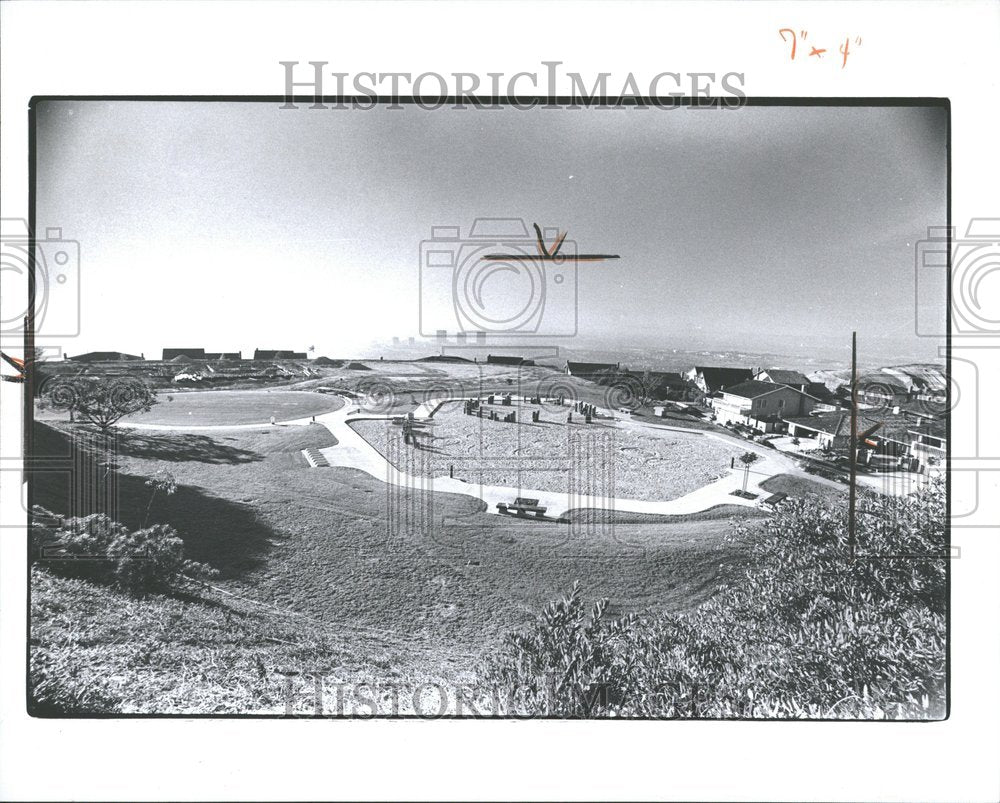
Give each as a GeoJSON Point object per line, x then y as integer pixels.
{"type": "Point", "coordinates": [929, 445]}
{"type": "Point", "coordinates": [104, 356]}
{"type": "Point", "coordinates": [882, 394]}
{"type": "Point", "coordinates": [780, 376]}
{"type": "Point", "coordinates": [662, 384]}
{"type": "Point", "coordinates": [224, 355]}
{"type": "Point", "coordinates": [266, 354]}
{"type": "Point", "coordinates": [501, 359]}
{"type": "Point", "coordinates": [887, 447]}
{"type": "Point", "coordinates": [829, 430]}
{"type": "Point", "coordinates": [922, 410]}
{"type": "Point", "coordinates": [585, 370]}
{"type": "Point", "coordinates": [194, 354]}
{"type": "Point", "coordinates": [760, 405]}
{"type": "Point", "coordinates": [710, 379]}
{"type": "Point", "coordinates": [929, 393]}
{"type": "Point", "coordinates": [799, 381]}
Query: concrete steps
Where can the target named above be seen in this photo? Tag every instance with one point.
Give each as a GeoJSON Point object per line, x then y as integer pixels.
{"type": "Point", "coordinates": [315, 458]}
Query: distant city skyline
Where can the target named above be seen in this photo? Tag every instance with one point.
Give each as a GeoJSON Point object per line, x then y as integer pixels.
{"type": "Point", "coordinates": [234, 226]}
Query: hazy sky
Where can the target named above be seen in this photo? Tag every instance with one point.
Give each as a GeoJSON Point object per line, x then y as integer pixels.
{"type": "Point", "coordinates": [231, 226]}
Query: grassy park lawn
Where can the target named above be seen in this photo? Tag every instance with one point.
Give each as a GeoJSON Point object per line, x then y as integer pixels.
{"type": "Point", "coordinates": [601, 458]}
{"type": "Point", "coordinates": [215, 407]}
{"type": "Point", "coordinates": [431, 577]}
{"type": "Point", "coordinates": [802, 486]}
{"type": "Point", "coordinates": [198, 408]}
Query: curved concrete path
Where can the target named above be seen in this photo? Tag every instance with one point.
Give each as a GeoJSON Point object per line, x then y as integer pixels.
{"type": "Point", "coordinates": [353, 451]}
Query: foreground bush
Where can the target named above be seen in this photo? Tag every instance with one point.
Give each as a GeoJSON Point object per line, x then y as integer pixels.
{"type": "Point", "coordinates": [807, 632]}
{"type": "Point", "coordinates": [98, 548]}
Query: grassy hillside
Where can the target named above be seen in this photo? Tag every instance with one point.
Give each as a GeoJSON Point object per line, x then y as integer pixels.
{"type": "Point", "coordinates": [796, 486]}
{"type": "Point", "coordinates": [95, 650]}
{"type": "Point", "coordinates": [405, 583]}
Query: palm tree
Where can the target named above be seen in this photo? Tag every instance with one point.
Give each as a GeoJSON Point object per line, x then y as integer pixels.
{"type": "Point", "coordinates": [748, 459]}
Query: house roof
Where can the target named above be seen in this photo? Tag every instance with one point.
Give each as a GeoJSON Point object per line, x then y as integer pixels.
{"type": "Point", "coordinates": [839, 424]}
{"type": "Point", "coordinates": [659, 383]}
{"type": "Point", "coordinates": [924, 409]}
{"type": "Point", "coordinates": [169, 354]}
{"type": "Point", "coordinates": [782, 376]}
{"type": "Point", "coordinates": [936, 429]}
{"type": "Point", "coordinates": [877, 387]}
{"type": "Point", "coordinates": [503, 359]}
{"type": "Point", "coordinates": [830, 423]}
{"type": "Point", "coordinates": [754, 388]}
{"type": "Point", "coordinates": [100, 356]}
{"type": "Point", "coordinates": [590, 367]}
{"type": "Point", "coordinates": [659, 376]}
{"type": "Point", "coordinates": [716, 377]}
{"type": "Point", "coordinates": [267, 354]}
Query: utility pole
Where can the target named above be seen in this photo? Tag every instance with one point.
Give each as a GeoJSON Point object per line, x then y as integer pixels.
{"type": "Point", "coordinates": [852, 492]}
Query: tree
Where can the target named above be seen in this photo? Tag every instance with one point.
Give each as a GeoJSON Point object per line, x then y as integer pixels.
{"type": "Point", "coordinates": [102, 401]}
{"type": "Point", "coordinates": [748, 459]}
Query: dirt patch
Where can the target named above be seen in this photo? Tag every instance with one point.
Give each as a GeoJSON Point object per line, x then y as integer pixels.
{"type": "Point", "coordinates": [603, 458]}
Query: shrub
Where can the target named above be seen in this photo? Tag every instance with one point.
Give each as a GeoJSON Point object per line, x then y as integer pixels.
{"type": "Point", "coordinates": [568, 665]}
{"type": "Point", "coordinates": [807, 632]}
{"type": "Point", "coordinates": [98, 548]}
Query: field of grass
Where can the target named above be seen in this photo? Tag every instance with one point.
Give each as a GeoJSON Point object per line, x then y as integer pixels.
{"type": "Point", "coordinates": [430, 574]}
{"type": "Point", "coordinates": [211, 407]}
{"type": "Point", "coordinates": [600, 458]}
{"type": "Point", "coordinates": [802, 486]}
{"type": "Point", "coordinates": [235, 407]}
{"type": "Point", "coordinates": [97, 650]}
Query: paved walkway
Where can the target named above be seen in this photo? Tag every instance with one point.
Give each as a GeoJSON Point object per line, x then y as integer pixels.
{"type": "Point", "coordinates": [353, 451]}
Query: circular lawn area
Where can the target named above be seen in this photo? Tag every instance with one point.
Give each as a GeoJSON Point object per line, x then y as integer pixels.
{"type": "Point", "coordinates": [206, 407]}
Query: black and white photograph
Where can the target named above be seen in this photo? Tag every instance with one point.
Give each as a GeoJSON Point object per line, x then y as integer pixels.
{"type": "Point", "coordinates": [507, 411]}
{"type": "Point", "coordinates": [414, 400]}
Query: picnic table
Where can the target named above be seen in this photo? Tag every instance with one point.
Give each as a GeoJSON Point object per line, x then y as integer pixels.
{"type": "Point", "coordinates": [522, 506]}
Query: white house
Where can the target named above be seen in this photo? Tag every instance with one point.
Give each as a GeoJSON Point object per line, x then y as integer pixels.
{"type": "Point", "coordinates": [780, 376]}
{"type": "Point", "coordinates": [760, 405]}
{"type": "Point", "coordinates": [929, 445]}
{"type": "Point", "coordinates": [712, 378]}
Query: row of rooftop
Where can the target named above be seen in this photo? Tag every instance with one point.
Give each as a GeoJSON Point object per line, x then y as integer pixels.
{"type": "Point", "coordinates": [905, 422]}
{"type": "Point", "coordinates": [190, 354]}
{"type": "Point", "coordinates": [259, 354]}
{"type": "Point", "coordinates": [750, 383]}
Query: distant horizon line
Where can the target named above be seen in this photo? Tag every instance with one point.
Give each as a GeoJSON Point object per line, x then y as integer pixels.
{"type": "Point", "coordinates": [500, 350]}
